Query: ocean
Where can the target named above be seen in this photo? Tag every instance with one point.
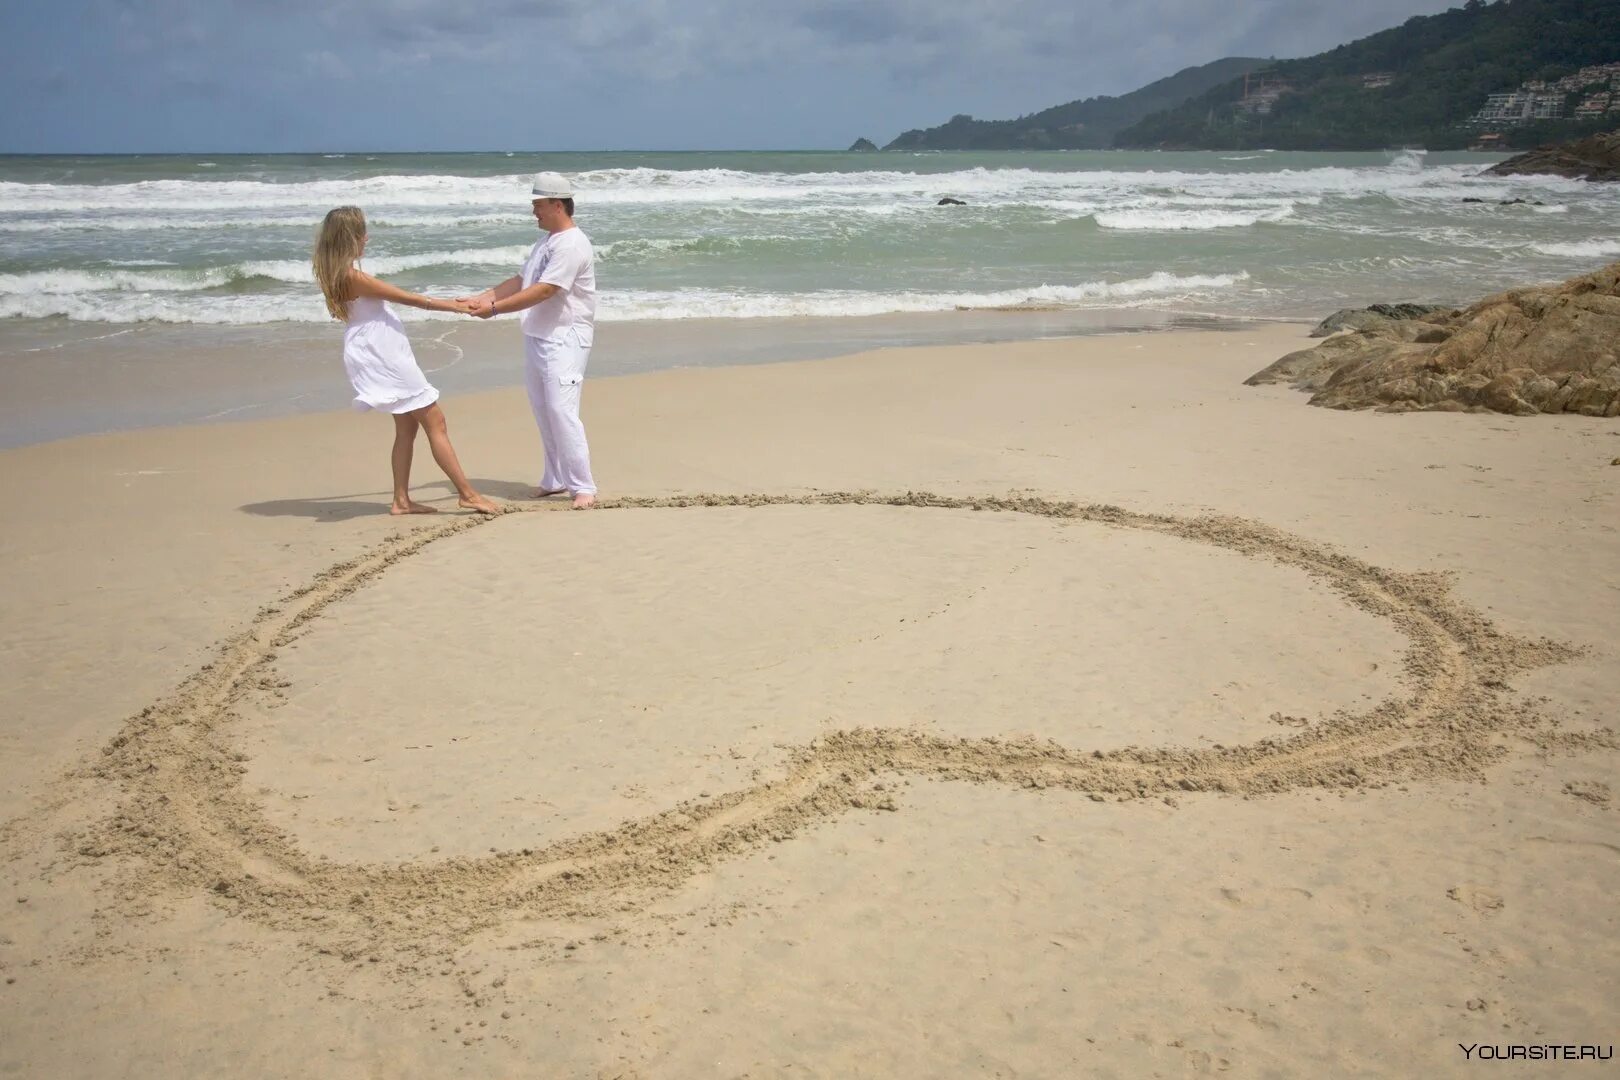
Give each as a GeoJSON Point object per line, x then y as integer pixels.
{"type": "Point", "coordinates": [224, 240]}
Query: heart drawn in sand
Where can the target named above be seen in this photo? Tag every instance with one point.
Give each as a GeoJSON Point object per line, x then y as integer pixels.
{"type": "Point", "coordinates": [184, 815]}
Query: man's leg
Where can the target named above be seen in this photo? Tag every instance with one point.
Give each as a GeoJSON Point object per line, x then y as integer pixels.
{"type": "Point", "coordinates": [540, 395]}
{"type": "Point", "coordinates": [565, 376]}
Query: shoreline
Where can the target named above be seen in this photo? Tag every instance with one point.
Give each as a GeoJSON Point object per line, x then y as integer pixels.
{"type": "Point", "coordinates": [151, 375]}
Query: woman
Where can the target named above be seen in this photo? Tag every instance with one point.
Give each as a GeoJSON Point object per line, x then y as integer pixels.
{"type": "Point", "coordinates": [377, 356]}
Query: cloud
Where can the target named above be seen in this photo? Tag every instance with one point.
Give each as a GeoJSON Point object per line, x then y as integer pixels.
{"type": "Point", "coordinates": [638, 72]}
{"type": "Point", "coordinates": [327, 65]}
{"type": "Point", "coordinates": [855, 22]}
{"type": "Point", "coordinates": [1096, 42]}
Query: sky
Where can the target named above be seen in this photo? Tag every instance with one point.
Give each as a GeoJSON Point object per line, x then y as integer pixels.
{"type": "Point", "coordinates": [156, 76]}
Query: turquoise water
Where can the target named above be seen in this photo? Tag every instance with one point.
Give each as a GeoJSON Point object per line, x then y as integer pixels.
{"type": "Point", "coordinates": [225, 239]}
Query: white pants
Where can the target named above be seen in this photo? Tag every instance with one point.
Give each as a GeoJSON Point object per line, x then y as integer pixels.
{"type": "Point", "coordinates": [554, 372]}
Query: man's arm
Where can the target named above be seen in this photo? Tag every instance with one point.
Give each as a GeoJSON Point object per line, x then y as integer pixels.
{"type": "Point", "coordinates": [515, 301]}
{"type": "Point", "coordinates": [497, 292]}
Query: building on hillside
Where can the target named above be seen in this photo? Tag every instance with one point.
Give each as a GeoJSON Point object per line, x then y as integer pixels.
{"type": "Point", "coordinates": [1595, 105]}
{"type": "Point", "coordinates": [1592, 75]}
{"type": "Point", "coordinates": [1547, 107]}
{"type": "Point", "coordinates": [1376, 80]}
{"type": "Point", "coordinates": [1518, 106]}
{"type": "Point", "coordinates": [1261, 89]}
{"type": "Point", "coordinates": [1538, 99]}
{"type": "Point", "coordinates": [1490, 140]}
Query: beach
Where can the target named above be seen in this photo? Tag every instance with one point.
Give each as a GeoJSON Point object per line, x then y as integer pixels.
{"type": "Point", "coordinates": [987, 708]}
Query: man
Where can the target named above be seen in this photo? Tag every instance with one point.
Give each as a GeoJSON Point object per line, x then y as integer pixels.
{"type": "Point", "coordinates": [556, 291]}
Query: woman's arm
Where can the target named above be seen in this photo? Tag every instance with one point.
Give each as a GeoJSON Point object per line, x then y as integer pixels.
{"type": "Point", "coordinates": [361, 283]}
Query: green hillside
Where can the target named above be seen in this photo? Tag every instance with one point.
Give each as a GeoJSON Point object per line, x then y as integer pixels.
{"type": "Point", "coordinates": [1088, 124]}
{"type": "Point", "coordinates": [1439, 71]}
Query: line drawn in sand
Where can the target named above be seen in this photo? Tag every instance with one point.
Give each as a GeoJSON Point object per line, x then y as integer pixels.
{"type": "Point", "coordinates": [184, 820]}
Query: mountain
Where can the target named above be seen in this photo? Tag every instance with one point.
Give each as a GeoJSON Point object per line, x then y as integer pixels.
{"type": "Point", "coordinates": [1420, 83]}
{"type": "Point", "coordinates": [1088, 124]}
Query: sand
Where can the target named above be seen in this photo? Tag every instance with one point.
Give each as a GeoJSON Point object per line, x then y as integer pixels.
{"type": "Point", "coordinates": [1034, 709]}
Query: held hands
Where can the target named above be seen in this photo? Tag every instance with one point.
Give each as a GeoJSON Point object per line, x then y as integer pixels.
{"type": "Point", "coordinates": [481, 307]}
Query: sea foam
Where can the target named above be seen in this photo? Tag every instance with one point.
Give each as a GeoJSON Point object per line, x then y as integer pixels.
{"type": "Point", "coordinates": [174, 306]}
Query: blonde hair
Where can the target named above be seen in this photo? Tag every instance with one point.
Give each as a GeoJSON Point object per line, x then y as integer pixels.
{"type": "Point", "coordinates": [337, 246]}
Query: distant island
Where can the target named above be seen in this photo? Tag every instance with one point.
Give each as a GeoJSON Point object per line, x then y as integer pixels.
{"type": "Point", "coordinates": [1507, 75]}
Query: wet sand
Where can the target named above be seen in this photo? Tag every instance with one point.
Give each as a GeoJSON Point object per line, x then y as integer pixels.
{"type": "Point", "coordinates": [1048, 708]}
{"type": "Point", "coordinates": [60, 379]}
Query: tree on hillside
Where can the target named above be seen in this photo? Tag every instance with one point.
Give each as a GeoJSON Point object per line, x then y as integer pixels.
{"type": "Point", "coordinates": [1445, 66]}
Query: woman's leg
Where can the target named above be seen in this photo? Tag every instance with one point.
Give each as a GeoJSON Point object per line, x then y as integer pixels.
{"type": "Point", "coordinates": [438, 433]}
{"type": "Point", "coordinates": [405, 426]}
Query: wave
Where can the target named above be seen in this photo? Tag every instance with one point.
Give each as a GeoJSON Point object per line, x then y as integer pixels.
{"type": "Point", "coordinates": [298, 270]}
{"type": "Point", "coordinates": [712, 187]}
{"type": "Point", "coordinates": [150, 195]}
{"type": "Point", "coordinates": [305, 223]}
{"type": "Point", "coordinates": [1409, 161]}
{"type": "Point", "coordinates": [647, 249]}
{"type": "Point", "coordinates": [1134, 202]}
{"type": "Point", "coordinates": [1166, 220]}
{"type": "Point", "coordinates": [1583, 249]}
{"type": "Point", "coordinates": [715, 304]}
{"type": "Point", "coordinates": [68, 282]}
{"type": "Point", "coordinates": [306, 307]}
{"type": "Point", "coordinates": [292, 271]}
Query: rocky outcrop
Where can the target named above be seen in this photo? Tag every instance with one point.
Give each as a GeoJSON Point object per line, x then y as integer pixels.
{"type": "Point", "coordinates": [950, 201]}
{"type": "Point", "coordinates": [1546, 349]}
{"type": "Point", "coordinates": [1595, 158]}
{"type": "Point", "coordinates": [861, 145]}
{"type": "Point", "coordinates": [1368, 317]}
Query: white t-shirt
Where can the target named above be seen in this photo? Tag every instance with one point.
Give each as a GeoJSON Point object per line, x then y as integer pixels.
{"type": "Point", "coordinates": [564, 259]}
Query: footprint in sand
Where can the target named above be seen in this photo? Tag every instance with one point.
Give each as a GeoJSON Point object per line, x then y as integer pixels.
{"type": "Point", "coordinates": [1264, 896]}
{"type": "Point", "coordinates": [1254, 1018]}
{"type": "Point", "coordinates": [1593, 791]}
{"type": "Point", "coordinates": [1483, 901]}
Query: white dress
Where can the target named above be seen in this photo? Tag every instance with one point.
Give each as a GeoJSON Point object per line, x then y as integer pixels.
{"type": "Point", "coordinates": [378, 359]}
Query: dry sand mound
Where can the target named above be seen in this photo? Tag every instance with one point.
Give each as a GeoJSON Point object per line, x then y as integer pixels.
{"type": "Point", "coordinates": [1544, 349]}
{"type": "Point", "coordinates": [185, 817]}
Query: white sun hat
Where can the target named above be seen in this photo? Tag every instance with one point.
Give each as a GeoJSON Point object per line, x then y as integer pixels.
{"type": "Point", "coordinates": [550, 185]}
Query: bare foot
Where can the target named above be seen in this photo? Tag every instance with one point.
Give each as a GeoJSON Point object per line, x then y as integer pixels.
{"type": "Point", "coordinates": [411, 506]}
{"type": "Point", "coordinates": [481, 503]}
{"type": "Point", "coordinates": [584, 502]}
{"type": "Point", "coordinates": [540, 492]}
